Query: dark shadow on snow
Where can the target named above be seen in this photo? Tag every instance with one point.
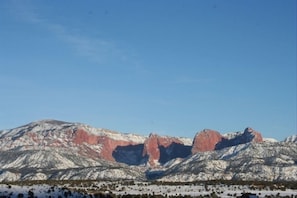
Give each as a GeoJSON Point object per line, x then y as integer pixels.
{"type": "Point", "coordinates": [131, 154]}
{"type": "Point", "coordinates": [174, 150]}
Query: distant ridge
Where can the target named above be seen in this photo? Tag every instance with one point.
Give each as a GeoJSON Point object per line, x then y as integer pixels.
{"type": "Point", "coordinates": [53, 149]}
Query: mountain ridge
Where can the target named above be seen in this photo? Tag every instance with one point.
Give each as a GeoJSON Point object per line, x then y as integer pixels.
{"type": "Point", "coordinates": [53, 149]}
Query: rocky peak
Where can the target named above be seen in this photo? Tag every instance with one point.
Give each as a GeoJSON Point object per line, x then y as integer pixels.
{"type": "Point", "coordinates": [209, 140]}
{"type": "Point", "coordinates": [151, 135]}
{"type": "Point", "coordinates": [206, 140]}
{"type": "Point", "coordinates": [249, 135]}
{"type": "Point", "coordinates": [160, 149]}
{"type": "Point", "coordinates": [255, 135]}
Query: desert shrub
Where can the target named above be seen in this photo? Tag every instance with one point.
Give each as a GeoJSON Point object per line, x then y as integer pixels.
{"type": "Point", "coordinates": [30, 194]}
{"type": "Point", "coordinates": [213, 195]}
{"type": "Point", "coordinates": [20, 195]}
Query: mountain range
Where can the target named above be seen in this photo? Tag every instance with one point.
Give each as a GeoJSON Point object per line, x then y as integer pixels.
{"type": "Point", "coordinates": [58, 150]}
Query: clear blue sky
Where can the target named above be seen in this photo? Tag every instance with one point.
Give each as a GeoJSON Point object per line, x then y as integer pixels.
{"type": "Point", "coordinates": [170, 67]}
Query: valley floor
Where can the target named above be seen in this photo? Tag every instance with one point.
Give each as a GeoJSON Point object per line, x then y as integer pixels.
{"type": "Point", "coordinates": [142, 189]}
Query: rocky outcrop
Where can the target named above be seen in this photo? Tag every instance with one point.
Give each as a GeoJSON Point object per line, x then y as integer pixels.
{"type": "Point", "coordinates": [206, 140]}
{"type": "Point", "coordinates": [249, 135]}
{"type": "Point", "coordinates": [89, 143]}
{"type": "Point", "coordinates": [160, 149]}
{"type": "Point", "coordinates": [256, 136]}
{"type": "Point", "coordinates": [109, 145]}
{"type": "Point", "coordinates": [209, 140]}
{"type": "Point", "coordinates": [155, 150]}
{"type": "Point", "coordinates": [81, 136]}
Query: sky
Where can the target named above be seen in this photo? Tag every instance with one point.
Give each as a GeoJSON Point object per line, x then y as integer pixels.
{"type": "Point", "coordinates": [170, 67]}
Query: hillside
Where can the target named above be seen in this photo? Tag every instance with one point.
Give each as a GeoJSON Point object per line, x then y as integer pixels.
{"type": "Point", "coordinates": [57, 150]}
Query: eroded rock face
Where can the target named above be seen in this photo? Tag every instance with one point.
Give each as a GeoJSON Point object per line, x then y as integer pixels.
{"type": "Point", "coordinates": [209, 140]}
{"type": "Point", "coordinates": [257, 137]}
{"type": "Point", "coordinates": [151, 149]}
{"type": "Point", "coordinates": [206, 140]}
{"type": "Point", "coordinates": [81, 136]}
{"type": "Point", "coordinates": [249, 135]}
{"type": "Point", "coordinates": [109, 145]}
{"type": "Point", "coordinates": [105, 144]}
{"type": "Point", "coordinates": [160, 149]}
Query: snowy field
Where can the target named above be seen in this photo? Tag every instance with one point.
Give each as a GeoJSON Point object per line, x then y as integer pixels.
{"type": "Point", "coordinates": [145, 189]}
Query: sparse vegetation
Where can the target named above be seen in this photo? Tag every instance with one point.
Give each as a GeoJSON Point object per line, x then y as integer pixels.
{"type": "Point", "coordinates": [129, 188]}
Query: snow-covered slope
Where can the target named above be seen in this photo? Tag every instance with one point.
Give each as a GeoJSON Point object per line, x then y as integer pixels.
{"type": "Point", "coordinates": [52, 149]}
{"type": "Point", "coordinates": [59, 164]}
{"type": "Point", "coordinates": [269, 140]}
{"type": "Point", "coordinates": [251, 161]}
{"type": "Point", "coordinates": [292, 138]}
{"type": "Point", "coordinates": [48, 132]}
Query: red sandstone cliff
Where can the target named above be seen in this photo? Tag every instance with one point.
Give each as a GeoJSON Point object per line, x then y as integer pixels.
{"type": "Point", "coordinates": [206, 140]}
{"type": "Point", "coordinates": [209, 140]}
{"type": "Point", "coordinates": [154, 143]}
{"type": "Point", "coordinates": [107, 144]}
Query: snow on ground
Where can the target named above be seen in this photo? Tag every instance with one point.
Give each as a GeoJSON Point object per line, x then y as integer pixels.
{"type": "Point", "coordinates": [139, 188]}
{"type": "Point", "coordinates": [269, 140]}
{"type": "Point", "coordinates": [44, 191]}
{"type": "Point", "coordinates": [196, 190]}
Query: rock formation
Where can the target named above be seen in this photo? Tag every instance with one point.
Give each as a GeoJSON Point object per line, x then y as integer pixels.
{"type": "Point", "coordinates": [249, 135]}
{"type": "Point", "coordinates": [206, 140]}
{"type": "Point", "coordinates": [160, 149]}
